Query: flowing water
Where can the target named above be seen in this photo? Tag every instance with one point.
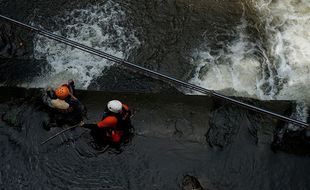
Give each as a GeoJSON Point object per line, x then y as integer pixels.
{"type": "Point", "coordinates": [162, 151]}
{"type": "Point", "coordinates": [273, 65]}
{"type": "Point", "coordinates": [99, 26]}
{"type": "Point", "coordinates": [269, 63]}
{"type": "Point", "coordinates": [244, 48]}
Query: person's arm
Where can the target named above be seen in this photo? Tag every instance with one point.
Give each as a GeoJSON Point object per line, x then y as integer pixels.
{"type": "Point", "coordinates": [50, 92]}
{"type": "Point", "coordinates": [127, 115]}
{"type": "Point", "coordinates": [127, 112]}
{"type": "Point", "coordinates": [89, 126]}
{"type": "Point", "coordinates": [71, 87]}
{"type": "Point", "coordinates": [72, 96]}
{"type": "Point", "coordinates": [48, 97]}
{"type": "Point", "coordinates": [109, 121]}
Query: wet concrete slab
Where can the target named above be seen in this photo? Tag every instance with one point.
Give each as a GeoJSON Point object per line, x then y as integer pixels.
{"type": "Point", "coordinates": [224, 146]}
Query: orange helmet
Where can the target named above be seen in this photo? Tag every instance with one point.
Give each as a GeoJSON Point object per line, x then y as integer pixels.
{"type": "Point", "coordinates": [62, 92]}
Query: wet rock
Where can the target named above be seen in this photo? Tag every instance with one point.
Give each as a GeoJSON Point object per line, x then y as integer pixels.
{"type": "Point", "coordinates": [226, 120]}
{"type": "Point", "coordinates": [14, 115]}
{"type": "Point", "coordinates": [11, 44]}
{"type": "Point", "coordinates": [183, 127]}
{"type": "Point", "coordinates": [191, 183]}
{"type": "Point", "coordinates": [224, 125]}
{"type": "Point", "coordinates": [294, 142]}
{"type": "Point", "coordinates": [15, 51]}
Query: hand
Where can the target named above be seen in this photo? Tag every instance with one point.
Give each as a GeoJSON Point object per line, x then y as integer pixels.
{"type": "Point", "coordinates": [82, 123]}
{"type": "Point", "coordinates": [72, 96]}
{"type": "Point", "coordinates": [70, 81]}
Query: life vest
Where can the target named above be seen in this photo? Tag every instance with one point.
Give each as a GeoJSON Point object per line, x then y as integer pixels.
{"type": "Point", "coordinates": [125, 115]}
{"type": "Point", "coordinates": [112, 120]}
{"type": "Point", "coordinates": [115, 123]}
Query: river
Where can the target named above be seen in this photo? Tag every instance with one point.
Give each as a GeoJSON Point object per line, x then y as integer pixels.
{"type": "Point", "coordinates": [243, 48]}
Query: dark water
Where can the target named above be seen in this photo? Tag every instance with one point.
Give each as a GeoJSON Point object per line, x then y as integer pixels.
{"type": "Point", "coordinates": [224, 146]}
{"type": "Point", "coordinates": [170, 143]}
{"type": "Point", "coordinates": [169, 32]}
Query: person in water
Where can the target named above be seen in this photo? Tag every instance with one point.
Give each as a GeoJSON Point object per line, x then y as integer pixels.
{"type": "Point", "coordinates": [65, 107]}
{"type": "Point", "coordinates": [115, 125]}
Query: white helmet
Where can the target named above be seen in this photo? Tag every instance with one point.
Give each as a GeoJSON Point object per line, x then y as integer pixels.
{"type": "Point", "coordinates": [115, 106]}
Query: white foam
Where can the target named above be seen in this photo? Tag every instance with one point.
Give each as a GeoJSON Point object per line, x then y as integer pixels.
{"type": "Point", "coordinates": [283, 70]}
{"type": "Point", "coordinates": [288, 27]}
{"type": "Point", "coordinates": [233, 68]}
{"type": "Point", "coordinates": [98, 26]}
{"type": "Point", "coordinates": [300, 113]}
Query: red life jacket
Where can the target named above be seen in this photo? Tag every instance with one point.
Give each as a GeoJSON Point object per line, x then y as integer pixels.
{"type": "Point", "coordinates": [113, 121]}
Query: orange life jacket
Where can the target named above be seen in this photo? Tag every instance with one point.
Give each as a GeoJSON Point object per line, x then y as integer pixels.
{"type": "Point", "coordinates": [113, 120]}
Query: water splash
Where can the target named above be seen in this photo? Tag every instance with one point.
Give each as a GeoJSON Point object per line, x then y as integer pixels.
{"type": "Point", "coordinates": [300, 113]}
{"type": "Point", "coordinates": [99, 26]}
{"type": "Point", "coordinates": [276, 67]}
{"type": "Point", "coordinates": [287, 27]}
{"type": "Point", "coordinates": [234, 67]}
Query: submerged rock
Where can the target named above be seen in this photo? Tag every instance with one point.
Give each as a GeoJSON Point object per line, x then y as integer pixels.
{"type": "Point", "coordinates": [224, 125]}
{"type": "Point", "coordinates": [191, 183]}
{"type": "Point", "coordinates": [17, 65]}
{"type": "Point", "coordinates": [11, 44]}
{"type": "Point", "coordinates": [294, 142]}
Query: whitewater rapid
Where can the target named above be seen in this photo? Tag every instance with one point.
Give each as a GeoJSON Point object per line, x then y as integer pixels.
{"type": "Point", "coordinates": [100, 26]}
{"type": "Point", "coordinates": [273, 65]}
{"type": "Point", "coordinates": [276, 67]}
